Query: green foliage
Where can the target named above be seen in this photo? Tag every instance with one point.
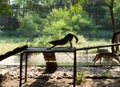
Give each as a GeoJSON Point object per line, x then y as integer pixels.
{"type": "Point", "coordinates": [57, 23]}
{"type": "Point", "coordinates": [107, 19]}
{"type": "Point", "coordinates": [81, 77]}
{"type": "Point", "coordinates": [4, 7]}
{"type": "Point", "coordinates": [107, 74]}
{"type": "Point", "coordinates": [61, 21]}
{"type": "Point", "coordinates": [29, 25]}
{"type": "Point", "coordinates": [83, 23]}
{"type": "Point", "coordinates": [54, 23]}
{"type": "Point", "coordinates": [82, 41]}
{"type": "Point", "coordinates": [42, 41]}
{"type": "Point", "coordinates": [79, 1]}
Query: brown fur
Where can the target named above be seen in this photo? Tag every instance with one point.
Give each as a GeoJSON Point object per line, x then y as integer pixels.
{"type": "Point", "coordinates": [115, 39]}
{"type": "Point", "coordinates": [63, 41]}
{"type": "Point", "coordinates": [108, 56]}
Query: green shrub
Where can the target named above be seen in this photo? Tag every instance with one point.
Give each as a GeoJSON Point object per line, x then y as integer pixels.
{"type": "Point", "coordinates": [28, 25]}
{"type": "Point", "coordinates": [61, 21]}
{"type": "Point", "coordinates": [81, 77]}
{"type": "Point", "coordinates": [42, 41]}
{"type": "Point", "coordinates": [107, 74]}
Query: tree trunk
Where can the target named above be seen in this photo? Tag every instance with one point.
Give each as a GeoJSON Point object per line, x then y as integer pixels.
{"type": "Point", "coordinates": [51, 63]}
{"type": "Point", "coordinates": [112, 18]}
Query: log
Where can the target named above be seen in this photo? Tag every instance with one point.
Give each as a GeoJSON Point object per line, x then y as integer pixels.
{"type": "Point", "coordinates": [10, 53]}
{"type": "Point", "coordinates": [51, 64]}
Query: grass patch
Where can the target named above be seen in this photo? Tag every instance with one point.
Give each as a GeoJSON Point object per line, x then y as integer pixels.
{"type": "Point", "coordinates": [65, 64]}
{"type": "Point", "coordinates": [10, 43]}
{"type": "Point", "coordinates": [81, 77]}
{"type": "Point", "coordinates": [10, 40]}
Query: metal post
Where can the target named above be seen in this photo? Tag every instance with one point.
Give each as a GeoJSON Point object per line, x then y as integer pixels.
{"type": "Point", "coordinates": [74, 72]}
{"type": "Point", "coordinates": [87, 56]}
{"type": "Point", "coordinates": [26, 64]}
{"type": "Point", "coordinates": [21, 60]}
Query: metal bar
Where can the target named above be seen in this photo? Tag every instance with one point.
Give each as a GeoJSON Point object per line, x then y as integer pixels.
{"type": "Point", "coordinates": [74, 71]}
{"type": "Point", "coordinates": [21, 60]}
{"type": "Point", "coordinates": [93, 47]}
{"type": "Point", "coordinates": [26, 64]}
{"type": "Point", "coordinates": [99, 65]}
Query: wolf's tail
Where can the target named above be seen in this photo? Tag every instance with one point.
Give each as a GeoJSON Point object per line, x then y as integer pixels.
{"type": "Point", "coordinates": [76, 38]}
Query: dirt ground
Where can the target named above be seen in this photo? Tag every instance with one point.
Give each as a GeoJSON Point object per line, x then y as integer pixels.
{"type": "Point", "coordinates": [63, 77]}
{"type": "Point", "coordinates": [62, 83]}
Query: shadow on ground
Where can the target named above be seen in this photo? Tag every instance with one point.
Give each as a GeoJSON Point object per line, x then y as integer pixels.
{"type": "Point", "coordinates": [42, 80]}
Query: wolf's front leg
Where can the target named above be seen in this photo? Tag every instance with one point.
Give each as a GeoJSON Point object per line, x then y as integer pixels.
{"type": "Point", "coordinates": [70, 44]}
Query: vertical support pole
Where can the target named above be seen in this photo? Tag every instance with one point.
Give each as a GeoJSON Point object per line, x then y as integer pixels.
{"type": "Point", "coordinates": [21, 60]}
{"type": "Point", "coordinates": [74, 72]}
{"type": "Point", "coordinates": [26, 64]}
{"type": "Point", "coordinates": [87, 56]}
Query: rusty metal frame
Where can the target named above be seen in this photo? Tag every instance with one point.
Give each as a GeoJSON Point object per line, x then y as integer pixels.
{"type": "Point", "coordinates": [27, 51]}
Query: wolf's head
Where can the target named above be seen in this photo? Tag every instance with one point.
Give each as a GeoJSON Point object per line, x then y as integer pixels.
{"type": "Point", "coordinates": [51, 42]}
